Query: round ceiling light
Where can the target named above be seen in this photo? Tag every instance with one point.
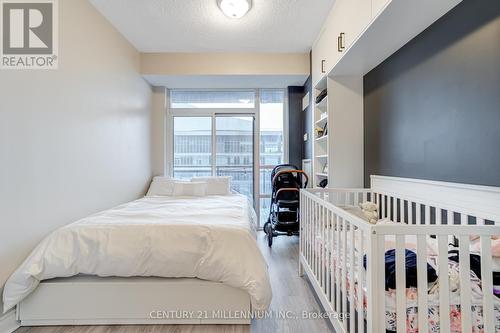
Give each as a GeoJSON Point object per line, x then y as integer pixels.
{"type": "Point", "coordinates": [234, 8]}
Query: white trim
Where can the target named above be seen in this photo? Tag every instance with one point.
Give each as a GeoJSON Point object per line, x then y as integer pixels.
{"type": "Point", "coordinates": [143, 300]}
{"type": "Point", "coordinates": [8, 322]}
{"type": "Point", "coordinates": [475, 200]}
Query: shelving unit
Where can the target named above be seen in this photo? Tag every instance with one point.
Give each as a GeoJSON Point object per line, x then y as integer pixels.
{"type": "Point", "coordinates": [338, 155]}
{"type": "Point", "coordinates": [320, 149]}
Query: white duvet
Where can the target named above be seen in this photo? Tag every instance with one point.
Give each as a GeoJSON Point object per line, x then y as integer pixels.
{"type": "Point", "coordinates": [211, 238]}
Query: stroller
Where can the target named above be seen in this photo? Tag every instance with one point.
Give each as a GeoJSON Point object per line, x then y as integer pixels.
{"type": "Point", "coordinates": [284, 215]}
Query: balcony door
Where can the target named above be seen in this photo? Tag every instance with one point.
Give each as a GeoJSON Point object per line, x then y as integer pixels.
{"type": "Point", "coordinates": [234, 149]}
{"type": "Point", "coordinates": [216, 145]}
{"type": "Point", "coordinates": [236, 133]}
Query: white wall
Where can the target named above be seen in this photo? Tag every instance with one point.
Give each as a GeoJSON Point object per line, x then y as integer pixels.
{"type": "Point", "coordinates": [158, 127]}
{"type": "Point", "coordinates": [72, 141]}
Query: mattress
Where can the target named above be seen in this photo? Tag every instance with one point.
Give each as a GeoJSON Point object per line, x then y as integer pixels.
{"type": "Point", "coordinates": [210, 238]}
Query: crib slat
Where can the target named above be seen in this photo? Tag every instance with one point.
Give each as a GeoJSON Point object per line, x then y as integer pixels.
{"type": "Point", "coordinates": [423, 309]}
{"type": "Point", "coordinates": [337, 265]}
{"type": "Point", "coordinates": [487, 283]}
{"type": "Point", "coordinates": [329, 257]}
{"type": "Point", "coordinates": [308, 231]}
{"type": "Point", "coordinates": [361, 282]}
{"type": "Point", "coordinates": [321, 234]}
{"type": "Point", "coordinates": [465, 295]}
{"type": "Point", "coordinates": [400, 283]}
{"type": "Point", "coordinates": [427, 215]}
{"type": "Point", "coordinates": [444, 289]}
{"type": "Point", "coordinates": [383, 203]}
{"type": "Point", "coordinates": [344, 271]}
{"type": "Point", "coordinates": [325, 250]}
{"type": "Point", "coordinates": [402, 211]}
{"type": "Point", "coordinates": [395, 209]}
{"type": "Point", "coordinates": [418, 213]}
{"type": "Point", "coordinates": [380, 262]}
{"type": "Point", "coordinates": [316, 242]}
{"type": "Point", "coordinates": [352, 316]}
{"type": "Point", "coordinates": [389, 207]}
{"type": "Point", "coordinates": [410, 212]}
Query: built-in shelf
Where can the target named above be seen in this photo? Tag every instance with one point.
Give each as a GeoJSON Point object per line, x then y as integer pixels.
{"type": "Point", "coordinates": [322, 138]}
{"type": "Point", "coordinates": [322, 156]}
{"type": "Point", "coordinates": [321, 174]}
{"type": "Point", "coordinates": [321, 122]}
{"type": "Point", "coordinates": [322, 82]}
{"type": "Point", "coordinates": [323, 105]}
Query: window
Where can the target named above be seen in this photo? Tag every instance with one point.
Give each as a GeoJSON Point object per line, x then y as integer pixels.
{"type": "Point", "coordinates": [214, 134]}
{"type": "Point", "coordinates": [271, 144]}
{"type": "Point", "coordinates": [189, 99]}
{"type": "Point", "coordinates": [234, 135]}
{"type": "Point", "coordinates": [192, 147]}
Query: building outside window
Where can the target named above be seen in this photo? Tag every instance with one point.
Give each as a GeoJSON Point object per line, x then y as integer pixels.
{"type": "Point", "coordinates": [232, 154]}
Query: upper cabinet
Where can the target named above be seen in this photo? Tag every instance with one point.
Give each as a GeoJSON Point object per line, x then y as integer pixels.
{"type": "Point", "coordinates": [359, 34]}
{"type": "Point", "coordinates": [346, 21]}
{"type": "Point", "coordinates": [353, 17]}
{"type": "Point", "coordinates": [324, 51]}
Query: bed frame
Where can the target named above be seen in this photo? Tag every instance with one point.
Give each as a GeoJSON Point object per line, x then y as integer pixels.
{"type": "Point", "coordinates": [330, 235]}
{"type": "Point", "coordinates": [89, 300]}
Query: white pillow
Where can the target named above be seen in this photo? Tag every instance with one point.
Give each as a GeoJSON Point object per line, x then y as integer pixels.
{"type": "Point", "coordinates": [191, 189]}
{"type": "Point", "coordinates": [215, 185]}
{"type": "Point", "coordinates": [163, 186]}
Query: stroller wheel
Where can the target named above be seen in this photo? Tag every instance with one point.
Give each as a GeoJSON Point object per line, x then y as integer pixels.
{"type": "Point", "coordinates": [267, 227]}
{"type": "Point", "coordinates": [270, 238]}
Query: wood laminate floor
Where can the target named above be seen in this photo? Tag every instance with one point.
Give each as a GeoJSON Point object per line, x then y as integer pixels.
{"type": "Point", "coordinates": [290, 293]}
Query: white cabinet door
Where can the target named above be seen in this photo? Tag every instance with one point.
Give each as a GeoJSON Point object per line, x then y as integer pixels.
{"type": "Point", "coordinates": [377, 6]}
{"type": "Point", "coordinates": [355, 15]}
{"type": "Point", "coordinates": [324, 52]}
{"type": "Point", "coordinates": [318, 61]}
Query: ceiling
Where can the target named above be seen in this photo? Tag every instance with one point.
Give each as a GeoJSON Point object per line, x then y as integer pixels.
{"type": "Point", "coordinates": [199, 26]}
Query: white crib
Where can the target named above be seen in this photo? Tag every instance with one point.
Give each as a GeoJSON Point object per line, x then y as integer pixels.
{"type": "Point", "coordinates": [334, 242]}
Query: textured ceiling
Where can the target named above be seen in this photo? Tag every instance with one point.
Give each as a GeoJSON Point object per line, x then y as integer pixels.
{"type": "Point", "coordinates": [199, 25]}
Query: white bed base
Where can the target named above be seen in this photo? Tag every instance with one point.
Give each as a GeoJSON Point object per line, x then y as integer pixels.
{"type": "Point", "coordinates": [88, 300]}
{"type": "Point", "coordinates": [328, 230]}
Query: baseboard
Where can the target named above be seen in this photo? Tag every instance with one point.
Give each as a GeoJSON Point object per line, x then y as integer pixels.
{"type": "Point", "coordinates": [8, 322]}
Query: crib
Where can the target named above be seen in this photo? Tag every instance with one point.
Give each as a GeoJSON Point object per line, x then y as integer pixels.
{"type": "Point", "coordinates": [344, 256]}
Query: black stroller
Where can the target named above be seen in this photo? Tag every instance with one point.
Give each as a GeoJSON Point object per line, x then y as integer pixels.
{"type": "Point", "coordinates": [284, 215]}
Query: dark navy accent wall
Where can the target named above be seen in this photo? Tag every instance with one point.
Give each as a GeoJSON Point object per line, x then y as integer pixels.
{"type": "Point", "coordinates": [295, 95]}
{"type": "Point", "coordinates": [307, 118]}
{"type": "Point", "coordinates": [432, 110]}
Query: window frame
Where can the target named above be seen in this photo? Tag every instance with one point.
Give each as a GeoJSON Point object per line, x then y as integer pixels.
{"type": "Point", "coordinates": [171, 113]}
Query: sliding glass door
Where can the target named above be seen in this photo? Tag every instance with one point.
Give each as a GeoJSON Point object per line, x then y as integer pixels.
{"type": "Point", "coordinates": [236, 133]}
{"type": "Point", "coordinates": [221, 145]}
{"type": "Point", "coordinates": [234, 137]}
{"type": "Point", "coordinates": [192, 147]}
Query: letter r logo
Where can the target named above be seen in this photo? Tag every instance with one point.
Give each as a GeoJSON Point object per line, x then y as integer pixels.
{"type": "Point", "coordinates": [27, 27]}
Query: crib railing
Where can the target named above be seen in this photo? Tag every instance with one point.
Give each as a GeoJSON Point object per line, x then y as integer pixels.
{"type": "Point", "coordinates": [326, 231]}
{"type": "Point", "coordinates": [344, 256]}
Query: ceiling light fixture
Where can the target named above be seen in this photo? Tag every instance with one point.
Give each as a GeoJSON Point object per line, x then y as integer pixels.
{"type": "Point", "coordinates": [234, 8]}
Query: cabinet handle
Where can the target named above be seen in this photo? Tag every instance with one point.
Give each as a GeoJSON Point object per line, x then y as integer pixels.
{"type": "Point", "coordinates": [323, 66]}
{"type": "Point", "coordinates": [339, 43]}
{"type": "Point", "coordinates": [342, 40]}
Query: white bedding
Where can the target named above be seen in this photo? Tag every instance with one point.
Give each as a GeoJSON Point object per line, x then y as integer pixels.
{"type": "Point", "coordinates": [211, 238]}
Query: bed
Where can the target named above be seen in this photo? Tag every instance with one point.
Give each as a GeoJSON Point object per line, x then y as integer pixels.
{"type": "Point", "coordinates": [386, 276]}
{"type": "Point", "coordinates": [159, 259]}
